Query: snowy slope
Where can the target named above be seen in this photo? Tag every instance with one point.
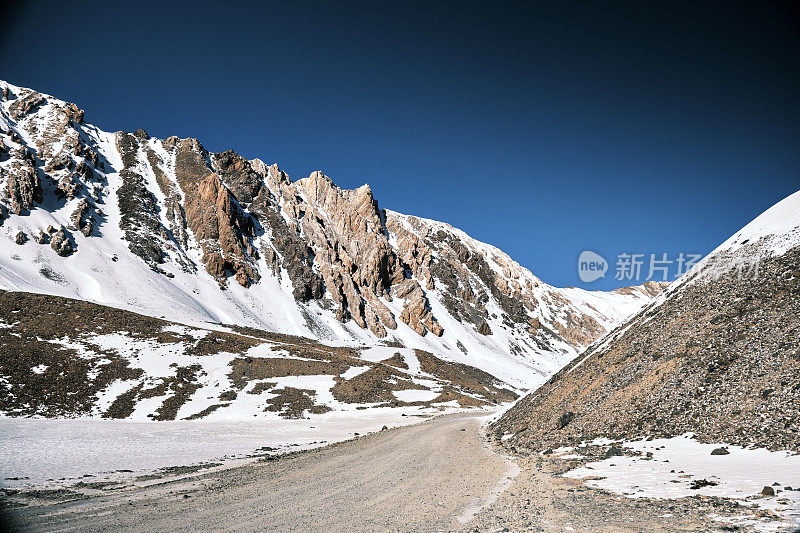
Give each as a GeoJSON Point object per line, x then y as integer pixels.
{"type": "Point", "coordinates": [776, 230]}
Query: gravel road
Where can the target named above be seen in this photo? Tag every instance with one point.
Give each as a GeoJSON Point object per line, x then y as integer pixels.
{"type": "Point", "coordinates": [422, 477]}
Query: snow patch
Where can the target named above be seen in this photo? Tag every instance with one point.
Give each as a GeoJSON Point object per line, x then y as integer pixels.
{"type": "Point", "coordinates": [679, 461]}
{"type": "Point", "coordinates": [354, 371]}
{"type": "Point", "coordinates": [415, 395]}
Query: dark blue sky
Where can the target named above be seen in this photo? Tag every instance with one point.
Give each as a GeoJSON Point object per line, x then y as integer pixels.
{"type": "Point", "coordinates": [545, 130]}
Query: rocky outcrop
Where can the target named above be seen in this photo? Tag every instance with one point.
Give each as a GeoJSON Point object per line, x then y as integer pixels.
{"type": "Point", "coordinates": [284, 249]}
{"type": "Point", "coordinates": [223, 230]}
{"type": "Point", "coordinates": [23, 183]}
{"type": "Point", "coordinates": [25, 105]}
{"type": "Point", "coordinates": [62, 242]}
{"type": "Point", "coordinates": [176, 227]}
{"type": "Point", "coordinates": [65, 156]}
{"type": "Point", "coordinates": [649, 288]}
{"type": "Point", "coordinates": [350, 245]}
{"type": "Point", "coordinates": [238, 175]}
{"type": "Point", "coordinates": [74, 113]}
{"type": "Point", "coordinates": [578, 329]}
{"type": "Point", "coordinates": [470, 275]}
{"type": "Point", "coordinates": [172, 198]}
{"type": "Point", "coordinates": [82, 218]}
{"type": "Point", "coordinates": [56, 156]}
{"type": "Point", "coordinates": [339, 234]}
{"type": "Point", "coordinates": [416, 313]}
{"type": "Point", "coordinates": [333, 243]}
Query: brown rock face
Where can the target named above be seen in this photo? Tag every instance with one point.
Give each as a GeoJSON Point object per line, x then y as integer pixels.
{"type": "Point", "coordinates": [216, 219]}
{"type": "Point", "coordinates": [649, 288]}
{"type": "Point", "coordinates": [469, 275]}
{"type": "Point", "coordinates": [26, 105]}
{"type": "Point", "coordinates": [417, 314]}
{"type": "Point", "coordinates": [286, 250]}
{"type": "Point", "coordinates": [341, 235]}
{"type": "Point", "coordinates": [358, 264]}
{"type": "Point", "coordinates": [576, 328]}
{"type": "Point", "coordinates": [238, 175]}
{"type": "Point", "coordinates": [74, 112]}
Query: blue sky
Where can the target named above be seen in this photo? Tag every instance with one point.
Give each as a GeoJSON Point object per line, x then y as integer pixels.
{"type": "Point", "coordinates": [545, 129]}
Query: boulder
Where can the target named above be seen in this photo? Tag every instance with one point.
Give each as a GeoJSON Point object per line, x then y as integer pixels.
{"type": "Point", "coordinates": [61, 242]}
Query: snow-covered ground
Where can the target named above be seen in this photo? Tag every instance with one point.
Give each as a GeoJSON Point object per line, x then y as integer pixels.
{"type": "Point", "coordinates": [57, 452]}
{"type": "Point", "coordinates": [679, 462]}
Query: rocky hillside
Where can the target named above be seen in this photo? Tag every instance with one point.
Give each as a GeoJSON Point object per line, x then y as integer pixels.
{"type": "Point", "coordinates": [165, 228]}
{"type": "Point", "coordinates": [68, 358]}
{"type": "Point", "coordinates": [717, 354]}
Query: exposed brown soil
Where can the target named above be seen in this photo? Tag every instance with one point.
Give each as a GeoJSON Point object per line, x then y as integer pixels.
{"type": "Point", "coordinates": [468, 378]}
{"type": "Point", "coordinates": [291, 402]}
{"type": "Point", "coordinates": [70, 382]}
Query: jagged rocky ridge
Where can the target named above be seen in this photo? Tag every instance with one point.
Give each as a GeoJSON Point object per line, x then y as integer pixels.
{"type": "Point", "coordinates": [166, 228]}
{"type": "Point", "coordinates": [717, 355]}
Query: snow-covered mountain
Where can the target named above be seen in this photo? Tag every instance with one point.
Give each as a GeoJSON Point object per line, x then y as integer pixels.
{"type": "Point", "coordinates": [164, 228]}
{"type": "Point", "coordinates": [717, 354]}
